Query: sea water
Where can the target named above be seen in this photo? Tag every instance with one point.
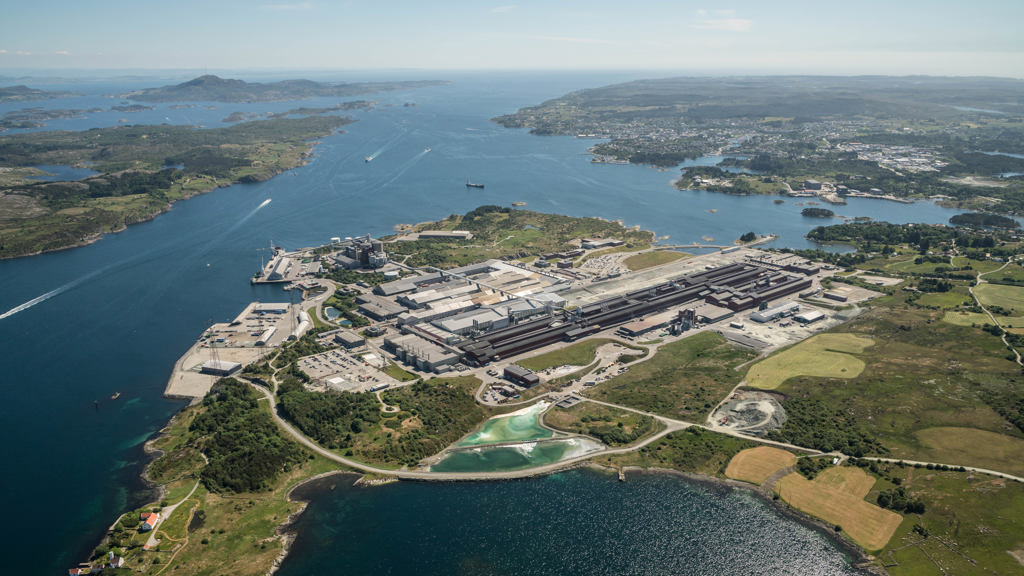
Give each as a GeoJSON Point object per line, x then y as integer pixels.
{"type": "Point", "coordinates": [572, 523]}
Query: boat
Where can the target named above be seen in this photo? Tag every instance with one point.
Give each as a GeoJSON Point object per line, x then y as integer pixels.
{"type": "Point", "coordinates": [427, 149]}
{"type": "Point", "coordinates": [368, 159]}
{"type": "Point", "coordinates": [470, 184]}
{"type": "Point", "coordinates": [115, 396]}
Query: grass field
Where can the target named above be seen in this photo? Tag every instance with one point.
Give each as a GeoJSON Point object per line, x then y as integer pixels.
{"type": "Point", "coordinates": [1008, 297]}
{"type": "Point", "coordinates": [837, 497]}
{"type": "Point", "coordinates": [652, 258]}
{"type": "Point", "coordinates": [973, 523]}
{"type": "Point", "coordinates": [962, 318]}
{"type": "Point", "coordinates": [972, 447]}
{"type": "Point", "coordinates": [578, 354]}
{"type": "Point", "coordinates": [824, 356]}
{"type": "Point", "coordinates": [684, 379]}
{"type": "Point", "coordinates": [757, 464]}
{"type": "Point", "coordinates": [950, 299]}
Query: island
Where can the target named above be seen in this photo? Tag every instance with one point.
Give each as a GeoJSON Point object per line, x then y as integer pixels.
{"type": "Point", "coordinates": [955, 140]}
{"type": "Point", "coordinates": [210, 88]}
{"type": "Point", "coordinates": [783, 371]}
{"type": "Point", "coordinates": [22, 93]}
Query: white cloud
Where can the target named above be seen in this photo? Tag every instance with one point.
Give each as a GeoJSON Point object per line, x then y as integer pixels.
{"type": "Point", "coordinates": [724, 24]}
{"type": "Point", "coordinates": [721, 20]}
{"type": "Point", "coordinates": [294, 7]}
{"type": "Point", "coordinates": [2, 51]}
{"type": "Point", "coordinates": [23, 53]}
{"type": "Point", "coordinates": [63, 53]}
{"type": "Point", "coordinates": [503, 9]}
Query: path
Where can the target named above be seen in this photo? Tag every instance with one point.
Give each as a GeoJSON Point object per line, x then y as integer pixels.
{"type": "Point", "coordinates": [423, 475]}
{"type": "Point", "coordinates": [1020, 361]}
{"type": "Point", "coordinates": [165, 513]}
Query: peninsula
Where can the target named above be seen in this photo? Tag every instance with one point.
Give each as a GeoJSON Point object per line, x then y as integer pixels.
{"type": "Point", "coordinates": [958, 140]}
{"type": "Point", "coordinates": [410, 354]}
{"type": "Point", "coordinates": [142, 170]}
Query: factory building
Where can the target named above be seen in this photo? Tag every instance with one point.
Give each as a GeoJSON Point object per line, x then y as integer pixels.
{"type": "Point", "coordinates": [597, 243]}
{"type": "Point", "coordinates": [367, 251]}
{"type": "Point", "coordinates": [734, 287]}
{"type": "Point", "coordinates": [421, 353]}
{"type": "Point", "coordinates": [349, 339]}
{"type": "Point", "coordinates": [378, 308]}
{"type": "Point", "coordinates": [521, 376]}
{"type": "Point", "coordinates": [768, 314]}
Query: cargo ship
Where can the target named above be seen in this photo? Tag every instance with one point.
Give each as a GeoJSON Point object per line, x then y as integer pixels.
{"type": "Point", "coordinates": [470, 184]}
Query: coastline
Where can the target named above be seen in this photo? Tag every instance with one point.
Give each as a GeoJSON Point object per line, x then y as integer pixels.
{"type": "Point", "coordinates": [94, 237]}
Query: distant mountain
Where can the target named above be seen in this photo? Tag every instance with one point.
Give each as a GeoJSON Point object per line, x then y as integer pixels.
{"type": "Point", "coordinates": [211, 88]}
{"type": "Point", "coordinates": [25, 94]}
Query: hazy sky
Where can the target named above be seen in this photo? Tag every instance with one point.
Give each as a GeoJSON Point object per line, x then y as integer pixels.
{"type": "Point", "coordinates": [982, 37]}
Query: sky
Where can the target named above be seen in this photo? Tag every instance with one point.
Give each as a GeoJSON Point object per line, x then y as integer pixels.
{"type": "Point", "coordinates": [933, 37]}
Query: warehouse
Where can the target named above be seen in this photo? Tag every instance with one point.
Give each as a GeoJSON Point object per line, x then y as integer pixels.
{"type": "Point", "coordinates": [809, 316]}
{"type": "Point", "coordinates": [767, 315]}
{"type": "Point", "coordinates": [521, 376]}
{"type": "Point", "coordinates": [220, 367]}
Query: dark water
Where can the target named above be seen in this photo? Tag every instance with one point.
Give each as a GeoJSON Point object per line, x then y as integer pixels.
{"type": "Point", "coordinates": [57, 172]}
{"type": "Point", "coordinates": [79, 325]}
{"type": "Point", "coordinates": [574, 523]}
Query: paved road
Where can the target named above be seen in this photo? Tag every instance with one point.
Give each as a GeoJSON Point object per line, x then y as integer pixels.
{"type": "Point", "coordinates": [449, 476]}
{"type": "Point", "coordinates": [968, 468]}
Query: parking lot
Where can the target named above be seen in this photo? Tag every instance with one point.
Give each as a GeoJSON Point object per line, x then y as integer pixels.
{"type": "Point", "coordinates": [356, 374]}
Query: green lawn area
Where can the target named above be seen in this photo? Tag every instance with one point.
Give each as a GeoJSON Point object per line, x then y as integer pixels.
{"type": "Point", "coordinates": [824, 356]}
{"type": "Point", "coordinates": [652, 258]}
{"type": "Point", "coordinates": [964, 447]}
{"type": "Point", "coordinates": [684, 379]}
{"type": "Point", "coordinates": [398, 373]}
{"type": "Point", "coordinates": [691, 450]}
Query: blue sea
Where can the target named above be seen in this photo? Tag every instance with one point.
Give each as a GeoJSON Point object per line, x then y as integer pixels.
{"type": "Point", "coordinates": [83, 324]}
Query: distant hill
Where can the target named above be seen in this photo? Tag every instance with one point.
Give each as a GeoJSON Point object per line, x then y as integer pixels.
{"type": "Point", "coordinates": [212, 88]}
{"type": "Point", "coordinates": [25, 94]}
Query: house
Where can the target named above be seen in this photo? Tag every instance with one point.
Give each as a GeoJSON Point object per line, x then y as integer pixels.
{"type": "Point", "coordinates": [117, 562]}
{"type": "Point", "coordinates": [149, 521]}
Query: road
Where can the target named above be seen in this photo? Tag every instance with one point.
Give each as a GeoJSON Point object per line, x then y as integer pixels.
{"type": "Point", "coordinates": [671, 426]}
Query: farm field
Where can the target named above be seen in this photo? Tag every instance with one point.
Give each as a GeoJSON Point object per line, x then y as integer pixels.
{"type": "Point", "coordinates": [824, 356]}
{"type": "Point", "coordinates": [837, 497]}
{"type": "Point", "coordinates": [757, 464]}
{"type": "Point", "coordinates": [972, 447]}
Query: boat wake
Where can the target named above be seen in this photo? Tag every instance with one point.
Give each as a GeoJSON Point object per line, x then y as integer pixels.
{"type": "Point", "coordinates": [55, 292]}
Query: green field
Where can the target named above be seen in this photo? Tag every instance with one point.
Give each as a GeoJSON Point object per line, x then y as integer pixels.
{"type": "Point", "coordinates": [691, 450]}
{"type": "Point", "coordinates": [1007, 297]}
{"type": "Point", "coordinates": [921, 373]}
{"type": "Point", "coordinates": [684, 379]}
{"type": "Point", "coordinates": [652, 258]}
{"type": "Point", "coordinates": [971, 447]}
{"type": "Point", "coordinates": [963, 318]}
{"type": "Point", "coordinates": [973, 523]}
{"type": "Point", "coordinates": [824, 356]}
{"type": "Point", "coordinates": [578, 354]}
